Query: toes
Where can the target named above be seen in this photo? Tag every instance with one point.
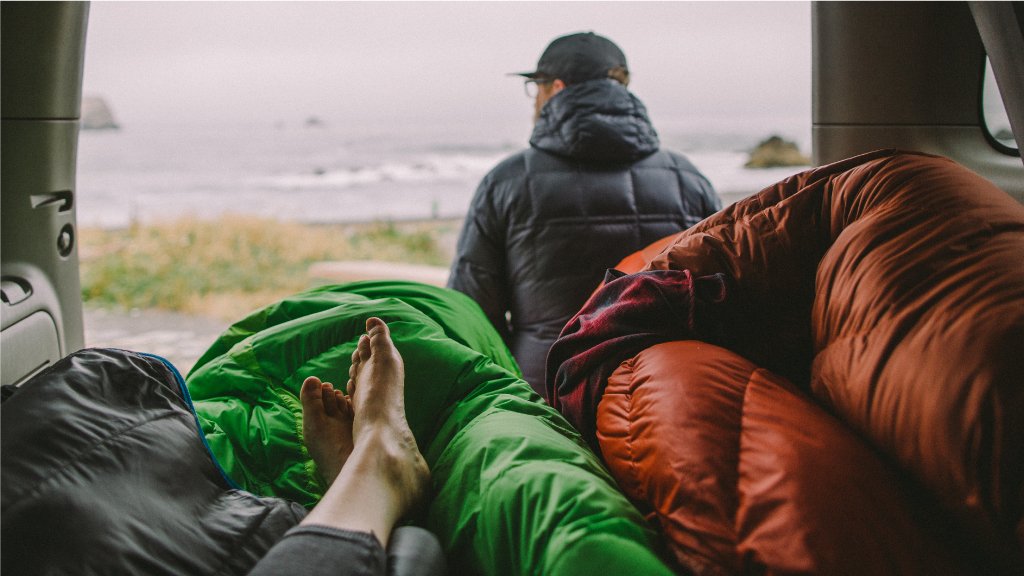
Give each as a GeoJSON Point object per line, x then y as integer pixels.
{"type": "Point", "coordinates": [353, 370]}
{"type": "Point", "coordinates": [344, 403]}
{"type": "Point", "coordinates": [379, 335]}
{"type": "Point", "coordinates": [327, 396]}
{"type": "Point", "coordinates": [374, 322]}
{"type": "Point", "coordinates": [375, 329]}
{"type": "Point", "coordinates": [310, 394]}
{"type": "Point", "coordinates": [363, 348]}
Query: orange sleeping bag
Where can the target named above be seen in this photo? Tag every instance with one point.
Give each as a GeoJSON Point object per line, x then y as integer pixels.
{"type": "Point", "coordinates": [869, 417]}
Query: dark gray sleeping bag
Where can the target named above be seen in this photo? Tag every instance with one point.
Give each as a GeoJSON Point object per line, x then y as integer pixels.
{"type": "Point", "coordinates": [105, 471]}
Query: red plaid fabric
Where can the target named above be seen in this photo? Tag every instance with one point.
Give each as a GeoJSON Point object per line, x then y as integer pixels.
{"type": "Point", "coordinates": [628, 314]}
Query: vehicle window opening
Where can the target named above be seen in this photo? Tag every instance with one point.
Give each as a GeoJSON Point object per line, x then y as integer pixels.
{"type": "Point", "coordinates": [994, 117]}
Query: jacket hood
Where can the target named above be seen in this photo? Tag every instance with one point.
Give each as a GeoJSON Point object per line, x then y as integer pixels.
{"type": "Point", "coordinates": [595, 121]}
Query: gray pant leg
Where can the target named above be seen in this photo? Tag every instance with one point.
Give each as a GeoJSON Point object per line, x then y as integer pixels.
{"type": "Point", "coordinates": [311, 550]}
{"type": "Point", "coordinates": [324, 551]}
{"type": "Point", "coordinates": [413, 551]}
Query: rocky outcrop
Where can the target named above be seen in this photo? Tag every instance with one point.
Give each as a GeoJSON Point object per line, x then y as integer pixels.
{"type": "Point", "coordinates": [775, 152]}
{"type": "Point", "coordinates": [96, 115]}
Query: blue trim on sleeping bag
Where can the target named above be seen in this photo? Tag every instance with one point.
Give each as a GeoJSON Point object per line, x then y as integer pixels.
{"type": "Point", "coordinates": [188, 401]}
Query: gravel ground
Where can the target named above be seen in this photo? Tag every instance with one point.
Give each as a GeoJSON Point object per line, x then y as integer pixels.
{"type": "Point", "coordinates": [180, 338]}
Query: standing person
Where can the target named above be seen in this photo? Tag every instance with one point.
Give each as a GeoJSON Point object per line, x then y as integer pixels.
{"type": "Point", "coordinates": [592, 188]}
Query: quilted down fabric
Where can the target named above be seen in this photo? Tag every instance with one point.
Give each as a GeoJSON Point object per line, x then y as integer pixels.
{"type": "Point", "coordinates": [630, 313]}
{"type": "Point", "coordinates": [105, 472]}
{"type": "Point", "coordinates": [595, 122]}
{"type": "Point", "coordinates": [887, 289]}
{"type": "Point", "coordinates": [514, 489]}
{"type": "Point", "coordinates": [757, 477]}
{"type": "Point", "coordinates": [546, 222]}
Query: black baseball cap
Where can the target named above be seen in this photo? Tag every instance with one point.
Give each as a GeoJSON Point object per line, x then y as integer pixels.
{"type": "Point", "coordinates": [577, 58]}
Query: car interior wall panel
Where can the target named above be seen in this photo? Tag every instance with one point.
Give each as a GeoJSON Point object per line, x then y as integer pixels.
{"type": "Point", "coordinates": [40, 97]}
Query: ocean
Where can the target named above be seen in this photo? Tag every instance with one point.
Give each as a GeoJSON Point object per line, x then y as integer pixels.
{"type": "Point", "coordinates": [319, 172]}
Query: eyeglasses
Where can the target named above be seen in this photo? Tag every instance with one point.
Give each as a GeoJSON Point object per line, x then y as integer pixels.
{"type": "Point", "coordinates": [530, 85]}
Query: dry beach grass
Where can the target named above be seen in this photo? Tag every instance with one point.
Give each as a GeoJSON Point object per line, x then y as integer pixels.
{"type": "Point", "coordinates": [227, 267]}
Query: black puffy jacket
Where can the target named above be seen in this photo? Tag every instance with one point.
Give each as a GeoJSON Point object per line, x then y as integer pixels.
{"type": "Point", "coordinates": [546, 222]}
{"type": "Point", "coordinates": [106, 471]}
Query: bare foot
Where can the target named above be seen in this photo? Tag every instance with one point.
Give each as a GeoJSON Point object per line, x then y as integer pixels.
{"type": "Point", "coordinates": [385, 474]}
{"type": "Point", "coordinates": [326, 426]}
{"type": "Point", "coordinates": [377, 388]}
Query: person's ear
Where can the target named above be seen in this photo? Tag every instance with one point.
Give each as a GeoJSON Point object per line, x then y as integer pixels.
{"type": "Point", "coordinates": [557, 86]}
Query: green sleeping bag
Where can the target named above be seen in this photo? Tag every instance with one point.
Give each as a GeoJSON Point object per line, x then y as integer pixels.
{"type": "Point", "coordinates": [514, 489]}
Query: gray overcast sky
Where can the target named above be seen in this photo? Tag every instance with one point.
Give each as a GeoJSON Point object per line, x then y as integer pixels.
{"type": "Point", "coordinates": [369, 62]}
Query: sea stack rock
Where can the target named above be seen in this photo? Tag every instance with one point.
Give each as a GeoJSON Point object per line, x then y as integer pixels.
{"type": "Point", "coordinates": [775, 152]}
{"type": "Point", "coordinates": [96, 114]}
